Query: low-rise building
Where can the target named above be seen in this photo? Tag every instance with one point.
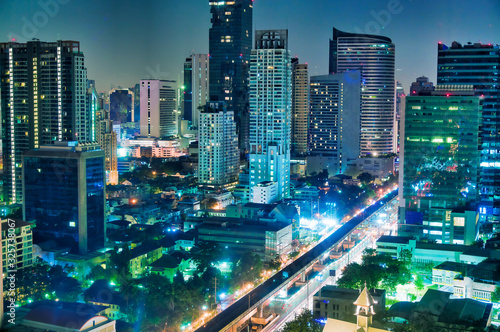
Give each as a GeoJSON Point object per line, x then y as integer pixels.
{"type": "Point", "coordinates": [338, 303]}
{"type": "Point", "coordinates": [62, 317]}
{"type": "Point", "coordinates": [425, 252]}
{"type": "Point", "coordinates": [468, 281]}
{"type": "Point", "coordinates": [141, 257]}
{"type": "Point", "coordinates": [265, 192]}
{"type": "Point", "coordinates": [267, 239]}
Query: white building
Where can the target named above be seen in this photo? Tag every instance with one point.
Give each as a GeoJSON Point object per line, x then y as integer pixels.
{"type": "Point", "coordinates": [265, 192]}
{"type": "Point", "coordinates": [218, 147]}
{"type": "Point", "coordinates": [270, 110]}
{"type": "Point", "coordinates": [158, 108]}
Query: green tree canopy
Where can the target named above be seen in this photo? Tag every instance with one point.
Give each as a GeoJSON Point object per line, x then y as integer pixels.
{"type": "Point", "coordinates": [303, 323]}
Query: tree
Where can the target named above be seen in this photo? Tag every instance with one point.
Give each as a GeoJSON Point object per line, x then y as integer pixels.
{"type": "Point", "coordinates": [495, 296]}
{"type": "Point", "coordinates": [365, 178]}
{"type": "Point", "coordinates": [203, 253]}
{"type": "Point", "coordinates": [303, 323]}
{"type": "Point", "coordinates": [377, 270]}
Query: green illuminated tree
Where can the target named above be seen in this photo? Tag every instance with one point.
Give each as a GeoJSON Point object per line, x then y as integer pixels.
{"type": "Point", "coordinates": [303, 323]}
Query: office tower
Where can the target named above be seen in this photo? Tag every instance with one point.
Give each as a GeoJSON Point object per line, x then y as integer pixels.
{"type": "Point", "coordinates": [230, 43]}
{"type": "Point", "coordinates": [187, 91]}
{"type": "Point", "coordinates": [196, 71]}
{"type": "Point", "coordinates": [334, 122]}
{"type": "Point", "coordinates": [158, 110]}
{"type": "Point", "coordinates": [218, 164]}
{"type": "Point", "coordinates": [43, 99]}
{"type": "Point", "coordinates": [65, 193]}
{"type": "Point", "coordinates": [137, 103]}
{"type": "Point", "coordinates": [421, 87]}
{"type": "Point", "coordinates": [374, 56]}
{"type": "Point", "coordinates": [270, 110]}
{"type": "Point", "coordinates": [121, 105]}
{"type": "Point", "coordinates": [440, 165]}
{"type": "Point", "coordinates": [400, 93]}
{"type": "Point", "coordinates": [300, 107]}
{"type": "Point", "coordinates": [93, 105]}
{"type": "Point", "coordinates": [107, 140]}
{"type": "Point", "coordinates": [478, 65]}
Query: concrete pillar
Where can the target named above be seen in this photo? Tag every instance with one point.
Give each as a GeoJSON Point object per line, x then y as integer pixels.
{"type": "Point", "coordinates": [303, 276]}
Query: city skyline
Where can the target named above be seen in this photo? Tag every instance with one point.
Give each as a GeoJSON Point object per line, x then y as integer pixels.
{"type": "Point", "coordinates": [126, 43]}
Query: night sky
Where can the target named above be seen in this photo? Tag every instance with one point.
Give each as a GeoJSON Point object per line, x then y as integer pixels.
{"type": "Point", "coordinates": [125, 41]}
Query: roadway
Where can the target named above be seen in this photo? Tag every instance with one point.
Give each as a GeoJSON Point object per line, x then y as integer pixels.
{"type": "Point", "coordinates": [224, 320]}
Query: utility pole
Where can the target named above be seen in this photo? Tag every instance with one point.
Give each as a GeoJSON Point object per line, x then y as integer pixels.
{"type": "Point", "coordinates": [215, 286]}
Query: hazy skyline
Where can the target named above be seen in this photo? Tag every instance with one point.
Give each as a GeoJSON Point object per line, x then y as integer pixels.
{"type": "Point", "coordinates": [125, 41]}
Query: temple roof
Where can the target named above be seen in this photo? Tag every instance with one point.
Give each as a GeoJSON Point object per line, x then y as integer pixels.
{"type": "Point", "coordinates": [365, 299]}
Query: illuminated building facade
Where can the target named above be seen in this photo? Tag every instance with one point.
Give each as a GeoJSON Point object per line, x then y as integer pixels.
{"type": "Point", "coordinates": [218, 163]}
{"type": "Point", "coordinates": [270, 110]}
{"type": "Point", "coordinates": [479, 65]}
{"type": "Point", "coordinates": [43, 99]}
{"type": "Point", "coordinates": [158, 109]}
{"type": "Point", "coordinates": [300, 107]}
{"type": "Point", "coordinates": [374, 56]}
{"type": "Point", "coordinates": [334, 122]}
{"type": "Point", "coordinates": [230, 43]}
{"type": "Point", "coordinates": [107, 140]}
{"type": "Point", "coordinates": [440, 165]}
{"type": "Point", "coordinates": [65, 193]}
{"type": "Point", "coordinates": [195, 88]}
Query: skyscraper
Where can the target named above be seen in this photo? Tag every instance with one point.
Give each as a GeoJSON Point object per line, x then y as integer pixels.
{"type": "Point", "coordinates": [107, 140]}
{"type": "Point", "coordinates": [334, 122]}
{"type": "Point", "coordinates": [187, 91]}
{"type": "Point", "coordinates": [270, 110]}
{"type": "Point", "coordinates": [43, 99]}
{"type": "Point", "coordinates": [374, 57]}
{"type": "Point", "coordinates": [196, 71]}
{"type": "Point", "coordinates": [300, 107]}
{"type": "Point", "coordinates": [158, 108]}
{"type": "Point", "coordinates": [479, 65]}
{"type": "Point", "coordinates": [230, 43]}
{"type": "Point", "coordinates": [218, 164]}
{"type": "Point", "coordinates": [121, 105]}
{"type": "Point", "coordinates": [65, 193]}
{"type": "Point", "coordinates": [440, 165]}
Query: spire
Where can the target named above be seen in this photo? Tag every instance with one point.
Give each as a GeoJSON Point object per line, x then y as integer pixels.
{"type": "Point", "coordinates": [364, 309]}
{"type": "Point", "coordinates": [365, 300]}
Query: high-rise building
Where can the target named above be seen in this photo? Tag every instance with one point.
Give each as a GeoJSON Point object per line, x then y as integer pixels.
{"type": "Point", "coordinates": [158, 108]}
{"type": "Point", "coordinates": [334, 122]}
{"type": "Point", "coordinates": [137, 103]}
{"type": "Point", "coordinates": [43, 99]}
{"type": "Point", "coordinates": [218, 164]}
{"type": "Point", "coordinates": [196, 70]}
{"type": "Point", "coordinates": [421, 87]}
{"type": "Point", "coordinates": [94, 103]}
{"type": "Point", "coordinates": [479, 65]}
{"type": "Point", "coordinates": [107, 140]}
{"type": "Point", "coordinates": [439, 165]}
{"type": "Point", "coordinates": [65, 194]}
{"type": "Point", "coordinates": [230, 43]}
{"type": "Point", "coordinates": [300, 107]}
{"type": "Point", "coordinates": [374, 56]}
{"type": "Point", "coordinates": [400, 93]}
{"type": "Point", "coordinates": [187, 91]}
{"type": "Point", "coordinates": [121, 105]}
{"type": "Point", "coordinates": [270, 110]}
